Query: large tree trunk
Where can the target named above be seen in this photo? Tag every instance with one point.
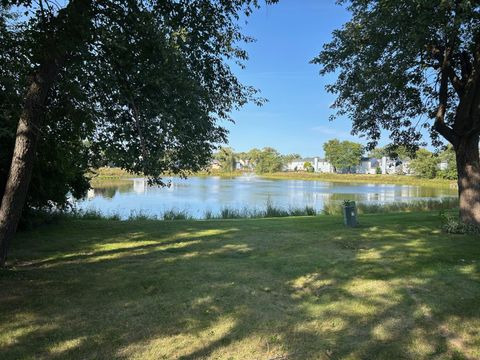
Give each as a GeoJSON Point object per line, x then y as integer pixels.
{"type": "Point", "coordinates": [71, 26]}
{"type": "Point", "coordinates": [468, 167]}
{"type": "Point", "coordinates": [28, 132]}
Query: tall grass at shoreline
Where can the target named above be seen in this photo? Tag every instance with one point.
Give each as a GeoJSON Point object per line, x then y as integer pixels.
{"type": "Point", "coordinates": [335, 208]}
{"type": "Point", "coordinates": [270, 211]}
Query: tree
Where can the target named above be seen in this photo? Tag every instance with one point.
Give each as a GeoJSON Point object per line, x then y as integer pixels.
{"type": "Point", "coordinates": [448, 156]}
{"type": "Point", "coordinates": [343, 155]}
{"type": "Point", "coordinates": [253, 157]}
{"type": "Point", "coordinates": [399, 152]}
{"type": "Point", "coordinates": [227, 159]}
{"type": "Point", "coordinates": [307, 165]}
{"type": "Point", "coordinates": [378, 153]}
{"type": "Point", "coordinates": [145, 82]}
{"type": "Point", "coordinates": [290, 157]}
{"type": "Point", "coordinates": [425, 164]}
{"type": "Point", "coordinates": [268, 160]}
{"type": "Point", "coordinates": [403, 65]}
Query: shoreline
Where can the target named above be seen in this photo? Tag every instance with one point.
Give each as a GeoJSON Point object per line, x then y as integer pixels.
{"type": "Point", "coordinates": [109, 174]}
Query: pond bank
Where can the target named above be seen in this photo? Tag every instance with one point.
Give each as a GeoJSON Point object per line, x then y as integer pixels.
{"type": "Point", "coordinates": [116, 173]}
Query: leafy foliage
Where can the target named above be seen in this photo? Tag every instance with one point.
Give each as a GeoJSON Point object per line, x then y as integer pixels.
{"type": "Point", "coordinates": [144, 88]}
{"type": "Point", "coordinates": [268, 160]}
{"type": "Point", "coordinates": [425, 164]}
{"type": "Point", "coordinates": [448, 156]}
{"type": "Point", "coordinates": [307, 165]}
{"type": "Point", "coordinates": [343, 155]}
{"type": "Point", "coordinates": [401, 63]}
{"type": "Point", "coordinates": [227, 159]}
{"type": "Point", "coordinates": [452, 225]}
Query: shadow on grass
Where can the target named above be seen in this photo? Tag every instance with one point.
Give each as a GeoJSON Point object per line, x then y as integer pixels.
{"type": "Point", "coordinates": [291, 288]}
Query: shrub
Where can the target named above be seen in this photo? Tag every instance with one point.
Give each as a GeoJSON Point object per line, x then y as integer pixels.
{"type": "Point", "coordinates": [452, 225]}
{"type": "Point", "coordinates": [176, 215]}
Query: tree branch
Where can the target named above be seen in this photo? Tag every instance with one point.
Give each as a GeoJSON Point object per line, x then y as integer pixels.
{"type": "Point", "coordinates": [456, 82]}
{"type": "Point", "coordinates": [440, 125]}
{"type": "Point", "coordinates": [466, 66]}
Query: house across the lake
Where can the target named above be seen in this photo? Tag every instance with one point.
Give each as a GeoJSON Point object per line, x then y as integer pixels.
{"type": "Point", "coordinates": [367, 165]}
{"type": "Point", "coordinates": [318, 164]}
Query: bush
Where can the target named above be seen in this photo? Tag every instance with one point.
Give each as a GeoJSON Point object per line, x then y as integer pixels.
{"type": "Point", "coordinates": [448, 174]}
{"type": "Point", "coordinates": [425, 164]}
{"type": "Point", "coordinates": [176, 215]}
{"type": "Point", "coordinates": [452, 225]}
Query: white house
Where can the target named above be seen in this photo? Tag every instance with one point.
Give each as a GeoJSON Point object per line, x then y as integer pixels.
{"type": "Point", "coordinates": [367, 166]}
{"type": "Point", "coordinates": [297, 164]}
{"type": "Point", "coordinates": [318, 164]}
{"type": "Point", "coordinates": [324, 166]}
{"type": "Point", "coordinates": [215, 165]}
{"type": "Point", "coordinates": [443, 165]}
{"type": "Point", "coordinates": [244, 164]}
{"type": "Point", "coordinates": [395, 166]}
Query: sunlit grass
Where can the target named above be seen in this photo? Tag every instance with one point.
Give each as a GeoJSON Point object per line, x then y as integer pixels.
{"type": "Point", "coordinates": [396, 287]}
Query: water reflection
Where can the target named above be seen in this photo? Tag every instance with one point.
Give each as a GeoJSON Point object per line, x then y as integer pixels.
{"type": "Point", "coordinates": [109, 188]}
{"type": "Point", "coordinates": [199, 194]}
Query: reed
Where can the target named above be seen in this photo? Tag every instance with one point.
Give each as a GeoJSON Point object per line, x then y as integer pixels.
{"type": "Point", "coordinates": [335, 208]}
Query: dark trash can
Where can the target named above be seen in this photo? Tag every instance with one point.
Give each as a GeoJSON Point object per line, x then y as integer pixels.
{"type": "Point", "coordinates": [350, 213]}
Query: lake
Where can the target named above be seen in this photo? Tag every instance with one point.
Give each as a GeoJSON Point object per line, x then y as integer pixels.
{"type": "Point", "coordinates": [196, 195]}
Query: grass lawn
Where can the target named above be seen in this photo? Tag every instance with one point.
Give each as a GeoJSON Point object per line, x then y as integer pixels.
{"type": "Point", "coordinates": [286, 288]}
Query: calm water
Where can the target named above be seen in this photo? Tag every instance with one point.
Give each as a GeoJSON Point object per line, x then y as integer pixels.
{"type": "Point", "coordinates": [199, 194]}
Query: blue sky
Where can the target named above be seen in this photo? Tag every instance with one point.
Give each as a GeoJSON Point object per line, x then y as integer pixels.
{"type": "Point", "coordinates": [295, 120]}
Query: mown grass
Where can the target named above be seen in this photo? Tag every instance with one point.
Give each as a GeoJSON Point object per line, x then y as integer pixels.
{"type": "Point", "coordinates": [283, 288]}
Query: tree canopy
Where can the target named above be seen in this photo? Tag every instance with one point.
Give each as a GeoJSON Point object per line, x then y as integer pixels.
{"type": "Point", "coordinates": [343, 155]}
{"type": "Point", "coordinates": [226, 158]}
{"type": "Point", "coordinates": [395, 58]}
{"type": "Point", "coordinates": [408, 65]}
{"type": "Point", "coordinates": [143, 84]}
{"type": "Point", "coordinates": [268, 160]}
{"type": "Point", "coordinates": [145, 91]}
{"type": "Point", "coordinates": [425, 164]}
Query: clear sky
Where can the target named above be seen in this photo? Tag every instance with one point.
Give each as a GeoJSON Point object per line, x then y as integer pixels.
{"type": "Point", "coordinates": [295, 120]}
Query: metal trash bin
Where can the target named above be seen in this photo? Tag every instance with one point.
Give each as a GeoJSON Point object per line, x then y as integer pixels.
{"type": "Point", "coordinates": [350, 213]}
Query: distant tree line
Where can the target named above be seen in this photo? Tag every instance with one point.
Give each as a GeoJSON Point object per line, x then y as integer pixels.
{"type": "Point", "coordinates": [344, 156]}
{"type": "Point", "coordinates": [261, 161]}
{"type": "Point", "coordinates": [422, 162]}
